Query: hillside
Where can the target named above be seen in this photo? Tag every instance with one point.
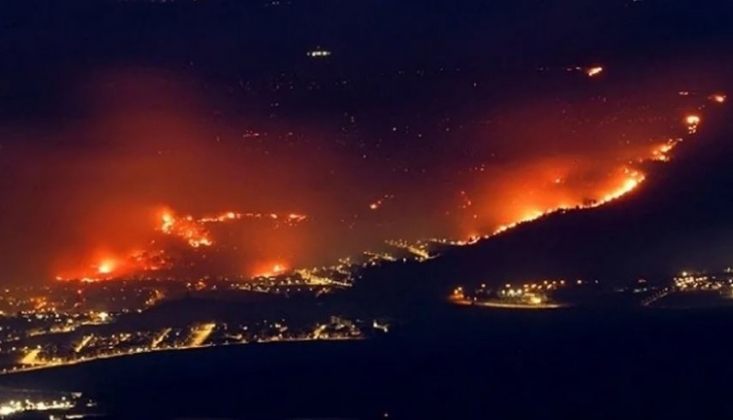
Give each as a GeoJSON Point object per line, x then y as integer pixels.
{"type": "Point", "coordinates": [679, 219]}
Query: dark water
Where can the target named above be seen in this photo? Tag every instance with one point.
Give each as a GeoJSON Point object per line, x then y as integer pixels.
{"type": "Point", "coordinates": [464, 364]}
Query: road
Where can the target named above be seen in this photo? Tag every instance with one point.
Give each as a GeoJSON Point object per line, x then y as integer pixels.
{"type": "Point", "coordinates": [506, 305]}
{"type": "Point", "coordinates": [159, 339]}
{"type": "Point", "coordinates": [657, 296]}
{"type": "Point", "coordinates": [31, 358]}
{"type": "Point", "coordinates": [201, 334]}
{"type": "Point", "coordinates": [49, 365]}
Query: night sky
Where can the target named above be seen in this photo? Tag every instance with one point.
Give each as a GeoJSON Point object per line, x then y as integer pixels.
{"type": "Point", "coordinates": [430, 119]}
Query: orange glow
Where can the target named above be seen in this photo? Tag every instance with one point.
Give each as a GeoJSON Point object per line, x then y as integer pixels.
{"type": "Point", "coordinates": [190, 230]}
{"type": "Point", "coordinates": [661, 153]}
{"type": "Point", "coordinates": [625, 180]}
{"type": "Point", "coordinates": [533, 157]}
{"type": "Point", "coordinates": [106, 267]}
{"type": "Point", "coordinates": [195, 233]}
{"type": "Point", "coordinates": [271, 270]}
{"type": "Point", "coordinates": [186, 228]}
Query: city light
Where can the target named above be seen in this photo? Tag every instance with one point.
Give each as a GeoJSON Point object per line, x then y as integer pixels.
{"type": "Point", "coordinates": [319, 53]}
{"type": "Point", "coordinates": [594, 71]}
{"type": "Point", "coordinates": [718, 98]}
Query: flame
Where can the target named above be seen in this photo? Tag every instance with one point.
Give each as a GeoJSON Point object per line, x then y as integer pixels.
{"type": "Point", "coordinates": [186, 228]}
{"type": "Point", "coordinates": [692, 121]}
{"type": "Point", "coordinates": [271, 269]}
{"type": "Point", "coordinates": [291, 219]}
{"type": "Point", "coordinates": [195, 233]}
{"type": "Point", "coordinates": [661, 153]}
{"type": "Point", "coordinates": [106, 267]}
{"type": "Point", "coordinates": [190, 230]}
{"type": "Point", "coordinates": [629, 183]}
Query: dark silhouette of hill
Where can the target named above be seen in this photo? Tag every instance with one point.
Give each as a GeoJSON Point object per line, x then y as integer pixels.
{"type": "Point", "coordinates": [680, 218]}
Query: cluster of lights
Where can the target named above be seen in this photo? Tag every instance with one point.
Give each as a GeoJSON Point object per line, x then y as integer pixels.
{"type": "Point", "coordinates": [594, 71]}
{"type": "Point", "coordinates": [692, 121]}
{"type": "Point", "coordinates": [418, 250]}
{"type": "Point", "coordinates": [700, 281]}
{"type": "Point", "coordinates": [718, 98]}
{"type": "Point", "coordinates": [528, 295]}
{"type": "Point", "coordinates": [378, 203]}
{"type": "Point", "coordinates": [15, 407]}
{"type": "Point", "coordinates": [95, 347]}
{"type": "Point", "coordinates": [319, 53]}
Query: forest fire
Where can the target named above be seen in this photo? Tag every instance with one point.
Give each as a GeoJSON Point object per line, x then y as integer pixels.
{"type": "Point", "coordinates": [227, 204]}
{"type": "Point", "coordinates": [271, 269]}
{"type": "Point", "coordinates": [106, 267]}
{"type": "Point", "coordinates": [186, 228]}
{"type": "Point", "coordinates": [661, 152]}
{"type": "Point", "coordinates": [629, 180]}
{"type": "Point", "coordinates": [194, 231]}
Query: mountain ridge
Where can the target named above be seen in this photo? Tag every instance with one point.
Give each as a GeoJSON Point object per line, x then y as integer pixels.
{"type": "Point", "coordinates": [676, 220]}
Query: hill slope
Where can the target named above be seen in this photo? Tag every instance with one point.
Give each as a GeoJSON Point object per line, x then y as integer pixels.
{"type": "Point", "coordinates": [680, 218]}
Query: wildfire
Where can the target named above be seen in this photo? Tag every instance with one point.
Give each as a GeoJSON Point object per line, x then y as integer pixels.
{"type": "Point", "coordinates": [106, 267]}
{"type": "Point", "coordinates": [186, 228]}
{"type": "Point", "coordinates": [191, 230]}
{"type": "Point", "coordinates": [661, 152]}
{"type": "Point", "coordinates": [692, 121]}
{"type": "Point", "coordinates": [632, 179]}
{"type": "Point", "coordinates": [272, 270]}
{"type": "Point", "coordinates": [291, 219]}
{"type": "Point", "coordinates": [195, 233]}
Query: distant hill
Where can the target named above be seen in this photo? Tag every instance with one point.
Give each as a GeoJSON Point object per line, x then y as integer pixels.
{"type": "Point", "coordinates": [680, 218]}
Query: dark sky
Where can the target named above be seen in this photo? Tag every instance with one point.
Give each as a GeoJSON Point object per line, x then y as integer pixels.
{"type": "Point", "coordinates": [111, 109]}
